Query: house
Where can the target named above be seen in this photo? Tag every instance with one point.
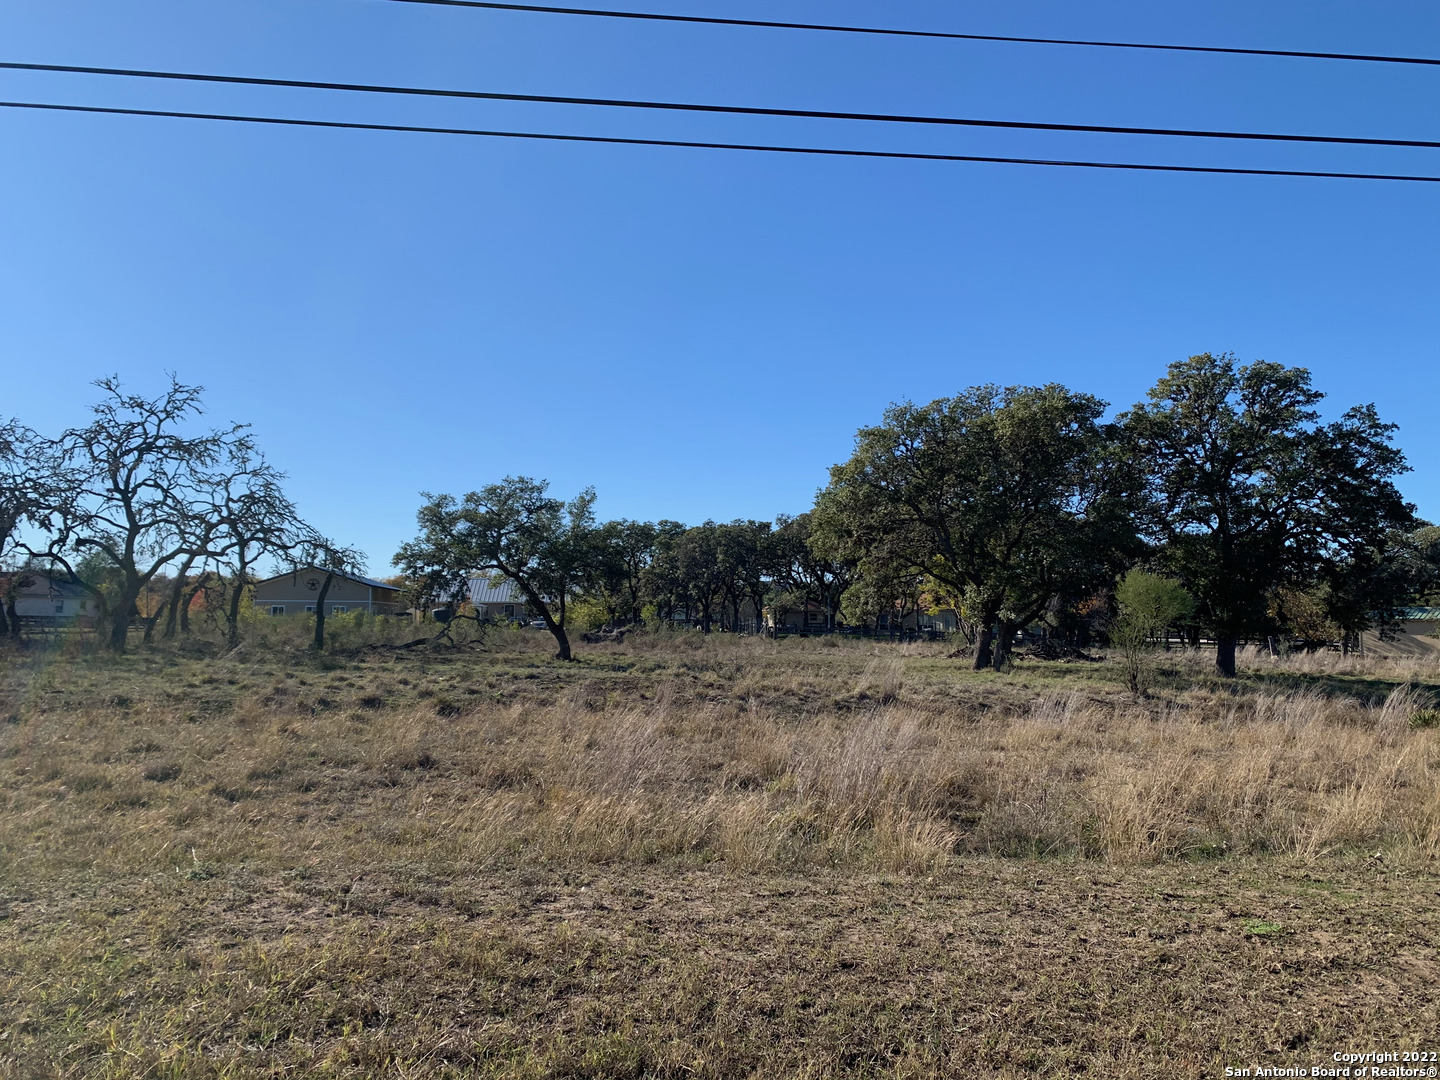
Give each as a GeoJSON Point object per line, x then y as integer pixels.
{"type": "Point", "coordinates": [497, 603]}
{"type": "Point", "coordinates": [295, 592]}
{"type": "Point", "coordinates": [1418, 635]}
{"type": "Point", "coordinates": [39, 597]}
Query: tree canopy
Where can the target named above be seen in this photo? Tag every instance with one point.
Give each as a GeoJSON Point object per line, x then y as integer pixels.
{"type": "Point", "coordinates": [1248, 491]}
{"type": "Point", "coordinates": [515, 531]}
{"type": "Point", "coordinates": [1003, 497]}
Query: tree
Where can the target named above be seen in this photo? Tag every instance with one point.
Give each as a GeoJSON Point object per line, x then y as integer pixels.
{"type": "Point", "coordinates": [253, 519]}
{"type": "Point", "coordinates": [513, 530]}
{"type": "Point", "coordinates": [1148, 605]}
{"type": "Point", "coordinates": [883, 595]}
{"type": "Point", "coordinates": [803, 564]}
{"type": "Point", "coordinates": [744, 553]}
{"type": "Point", "coordinates": [324, 554]}
{"type": "Point", "coordinates": [665, 582]}
{"type": "Point", "coordinates": [1004, 498]}
{"type": "Point", "coordinates": [1249, 492]}
{"type": "Point", "coordinates": [133, 490]}
{"type": "Point", "coordinates": [1371, 588]}
{"type": "Point", "coordinates": [622, 554]}
{"type": "Point", "coordinates": [24, 482]}
{"type": "Point", "coordinates": [689, 564]}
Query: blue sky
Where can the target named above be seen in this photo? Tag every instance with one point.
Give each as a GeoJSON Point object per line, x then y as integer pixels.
{"type": "Point", "coordinates": [697, 334]}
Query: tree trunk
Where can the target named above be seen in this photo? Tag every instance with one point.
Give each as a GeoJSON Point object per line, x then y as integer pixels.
{"type": "Point", "coordinates": [120, 619]}
{"type": "Point", "coordinates": [4, 621]}
{"type": "Point", "coordinates": [320, 613]}
{"type": "Point", "coordinates": [232, 611]}
{"type": "Point", "coordinates": [1004, 636]}
{"type": "Point", "coordinates": [983, 653]}
{"type": "Point", "coordinates": [200, 583]}
{"type": "Point", "coordinates": [172, 607]}
{"type": "Point", "coordinates": [1225, 655]}
{"type": "Point", "coordinates": [177, 593]}
{"type": "Point", "coordinates": [562, 642]}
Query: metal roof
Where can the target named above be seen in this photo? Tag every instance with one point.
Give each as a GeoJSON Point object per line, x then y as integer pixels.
{"type": "Point", "coordinates": [33, 583]}
{"type": "Point", "coordinates": [483, 592]}
{"type": "Point", "coordinates": [1420, 614]}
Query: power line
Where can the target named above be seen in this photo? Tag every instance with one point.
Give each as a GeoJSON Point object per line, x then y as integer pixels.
{"type": "Point", "coordinates": [762, 148]}
{"type": "Point", "coordinates": [742, 110]}
{"type": "Point", "coordinates": [891, 32]}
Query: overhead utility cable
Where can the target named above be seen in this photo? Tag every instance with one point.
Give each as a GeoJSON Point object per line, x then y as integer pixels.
{"type": "Point", "coordinates": [762, 148]}
{"type": "Point", "coordinates": [891, 32]}
{"type": "Point", "coordinates": [742, 110]}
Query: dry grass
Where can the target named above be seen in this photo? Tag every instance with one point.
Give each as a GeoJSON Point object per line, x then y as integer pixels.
{"type": "Point", "coordinates": [398, 786]}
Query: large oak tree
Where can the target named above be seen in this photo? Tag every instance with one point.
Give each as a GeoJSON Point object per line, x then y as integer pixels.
{"type": "Point", "coordinates": [132, 487]}
{"type": "Point", "coordinates": [1005, 498]}
{"type": "Point", "coordinates": [1250, 492]}
{"type": "Point", "coordinates": [511, 530]}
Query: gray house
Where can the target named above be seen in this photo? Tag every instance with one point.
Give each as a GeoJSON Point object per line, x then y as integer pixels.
{"type": "Point", "coordinates": [297, 592]}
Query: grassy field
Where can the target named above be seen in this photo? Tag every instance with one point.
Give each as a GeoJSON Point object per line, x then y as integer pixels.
{"type": "Point", "coordinates": [713, 857]}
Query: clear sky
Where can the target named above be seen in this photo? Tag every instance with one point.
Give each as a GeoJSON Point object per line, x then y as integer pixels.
{"type": "Point", "coordinates": [695, 333]}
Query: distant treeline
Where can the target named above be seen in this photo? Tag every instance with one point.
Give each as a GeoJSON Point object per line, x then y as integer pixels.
{"type": "Point", "coordinates": [1013, 507]}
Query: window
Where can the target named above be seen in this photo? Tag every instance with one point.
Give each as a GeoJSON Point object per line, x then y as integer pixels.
{"type": "Point", "coordinates": [277, 609]}
{"type": "Point", "coordinates": [509, 611]}
{"type": "Point", "coordinates": [60, 608]}
{"type": "Point", "coordinates": [310, 608]}
{"type": "Point", "coordinates": [814, 618]}
{"type": "Point", "coordinates": [84, 604]}
{"type": "Point", "coordinates": [338, 609]}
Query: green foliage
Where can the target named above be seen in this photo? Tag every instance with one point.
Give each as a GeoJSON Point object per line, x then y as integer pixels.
{"type": "Point", "coordinates": [1006, 498]}
{"type": "Point", "coordinates": [711, 571]}
{"type": "Point", "coordinates": [809, 568]}
{"type": "Point", "coordinates": [1425, 718]}
{"type": "Point", "coordinates": [1264, 928]}
{"type": "Point", "coordinates": [513, 530]}
{"type": "Point", "coordinates": [1152, 601]}
{"type": "Point", "coordinates": [588, 614]}
{"type": "Point", "coordinates": [1249, 492]}
{"type": "Point", "coordinates": [1148, 604]}
{"type": "Point", "coordinates": [621, 553]}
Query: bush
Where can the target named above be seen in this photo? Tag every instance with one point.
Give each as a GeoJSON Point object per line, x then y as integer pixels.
{"type": "Point", "coordinates": [1148, 603]}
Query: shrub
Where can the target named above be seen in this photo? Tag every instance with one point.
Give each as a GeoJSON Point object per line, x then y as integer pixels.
{"type": "Point", "coordinates": [1148, 603]}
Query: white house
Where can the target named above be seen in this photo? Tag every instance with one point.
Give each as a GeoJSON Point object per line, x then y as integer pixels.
{"type": "Point", "coordinates": [42, 597]}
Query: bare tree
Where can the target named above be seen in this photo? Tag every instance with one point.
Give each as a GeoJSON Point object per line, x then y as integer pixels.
{"type": "Point", "coordinates": [331, 559]}
{"type": "Point", "coordinates": [134, 491]}
{"type": "Point", "coordinates": [29, 479]}
{"type": "Point", "coordinates": [253, 519]}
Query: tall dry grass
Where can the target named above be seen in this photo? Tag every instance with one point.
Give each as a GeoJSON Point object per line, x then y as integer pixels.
{"type": "Point", "coordinates": [901, 787]}
{"type": "Point", "coordinates": [895, 786]}
{"type": "Point", "coordinates": [1259, 659]}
